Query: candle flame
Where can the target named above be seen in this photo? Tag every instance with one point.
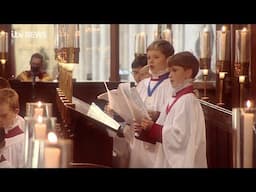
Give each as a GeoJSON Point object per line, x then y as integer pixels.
{"type": "Point", "coordinates": [244, 29]}
{"type": "Point", "coordinates": [40, 119]}
{"type": "Point", "coordinates": [52, 137]}
{"type": "Point", "coordinates": [223, 28]}
{"type": "Point", "coordinates": [248, 104]}
{"type": "Point", "coordinates": [241, 78]}
{"type": "Point", "coordinates": [206, 29]}
{"type": "Point", "coordinates": [2, 33]}
{"type": "Point", "coordinates": [222, 75]}
{"type": "Point", "coordinates": [39, 104]}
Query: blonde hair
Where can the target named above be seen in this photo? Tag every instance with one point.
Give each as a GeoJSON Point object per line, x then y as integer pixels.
{"type": "Point", "coordinates": [10, 96]}
{"type": "Point", "coordinates": [163, 46]}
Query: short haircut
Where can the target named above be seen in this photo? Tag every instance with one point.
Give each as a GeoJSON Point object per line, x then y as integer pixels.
{"type": "Point", "coordinates": [37, 55]}
{"type": "Point", "coordinates": [4, 83]}
{"type": "Point", "coordinates": [186, 60]}
{"type": "Point", "coordinates": [163, 46]}
{"type": "Point", "coordinates": [10, 96]}
{"type": "Point", "coordinates": [139, 61]}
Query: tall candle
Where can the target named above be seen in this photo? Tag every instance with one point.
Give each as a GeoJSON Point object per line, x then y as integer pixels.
{"type": "Point", "coordinates": [244, 36]}
{"type": "Point", "coordinates": [222, 41]}
{"type": "Point", "coordinates": [52, 153]}
{"type": "Point", "coordinates": [40, 129]}
{"type": "Point", "coordinates": [142, 43]}
{"type": "Point", "coordinates": [205, 43]}
{"type": "Point", "coordinates": [167, 35]}
{"type": "Point", "coordinates": [2, 39]}
{"type": "Point", "coordinates": [248, 139]}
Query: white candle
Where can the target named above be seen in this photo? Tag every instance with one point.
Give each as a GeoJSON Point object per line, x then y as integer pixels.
{"type": "Point", "coordinates": [244, 36]}
{"type": "Point", "coordinates": [222, 39]}
{"type": "Point", "coordinates": [241, 78]}
{"type": "Point", "coordinates": [167, 35]}
{"type": "Point", "coordinates": [2, 39]}
{"type": "Point", "coordinates": [205, 43]}
{"type": "Point", "coordinates": [205, 71]}
{"type": "Point", "coordinates": [222, 75]}
{"type": "Point", "coordinates": [248, 140]}
{"type": "Point", "coordinates": [142, 43]}
{"type": "Point", "coordinates": [40, 129]}
{"type": "Point", "coordinates": [38, 111]}
{"type": "Point", "coordinates": [137, 36]}
{"type": "Point", "coordinates": [52, 153]}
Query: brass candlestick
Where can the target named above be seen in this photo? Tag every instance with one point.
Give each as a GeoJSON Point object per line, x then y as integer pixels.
{"type": "Point", "coordinates": [221, 78]}
{"type": "Point", "coordinates": [205, 74]}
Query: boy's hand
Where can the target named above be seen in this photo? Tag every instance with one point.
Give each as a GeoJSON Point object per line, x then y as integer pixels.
{"type": "Point", "coordinates": [146, 124]}
{"type": "Point", "coordinates": [154, 115]}
{"type": "Point", "coordinates": [108, 110]}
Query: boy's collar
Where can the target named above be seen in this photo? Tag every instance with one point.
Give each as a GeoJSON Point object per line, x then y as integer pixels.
{"type": "Point", "coordinates": [186, 83]}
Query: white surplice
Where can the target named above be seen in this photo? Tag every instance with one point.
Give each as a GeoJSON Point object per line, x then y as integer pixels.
{"type": "Point", "coordinates": [183, 135]}
{"type": "Point", "coordinates": [143, 154]}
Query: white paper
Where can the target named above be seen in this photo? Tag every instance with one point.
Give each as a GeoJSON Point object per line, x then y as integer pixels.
{"type": "Point", "coordinates": [126, 102]}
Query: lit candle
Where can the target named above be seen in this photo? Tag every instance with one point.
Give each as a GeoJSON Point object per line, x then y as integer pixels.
{"type": "Point", "coordinates": [248, 137]}
{"type": "Point", "coordinates": [222, 75]}
{"type": "Point", "coordinates": [167, 35]}
{"type": "Point", "coordinates": [205, 72]}
{"type": "Point", "coordinates": [244, 36]}
{"type": "Point", "coordinates": [222, 35]}
{"type": "Point", "coordinates": [241, 78]}
{"type": "Point", "coordinates": [205, 43]}
{"type": "Point", "coordinates": [52, 153]}
{"type": "Point", "coordinates": [38, 111]}
{"type": "Point", "coordinates": [40, 129]}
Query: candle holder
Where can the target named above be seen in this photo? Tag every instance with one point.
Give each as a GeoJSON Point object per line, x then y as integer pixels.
{"type": "Point", "coordinates": [243, 126]}
{"type": "Point", "coordinates": [36, 129]}
{"type": "Point", "coordinates": [38, 108]}
{"type": "Point", "coordinates": [241, 87]}
{"type": "Point", "coordinates": [48, 153]}
{"type": "Point", "coordinates": [205, 74]}
{"type": "Point", "coordinates": [221, 78]}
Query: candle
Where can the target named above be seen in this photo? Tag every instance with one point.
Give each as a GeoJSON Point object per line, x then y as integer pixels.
{"type": "Point", "coordinates": [167, 35]}
{"type": "Point", "coordinates": [52, 153]}
{"type": "Point", "coordinates": [241, 78]}
{"type": "Point", "coordinates": [205, 43]}
{"type": "Point", "coordinates": [2, 40]}
{"type": "Point", "coordinates": [244, 36]}
{"type": "Point", "coordinates": [222, 75]}
{"type": "Point", "coordinates": [248, 138]}
{"type": "Point", "coordinates": [142, 43]}
{"type": "Point", "coordinates": [205, 72]}
{"type": "Point", "coordinates": [40, 129]}
{"type": "Point", "coordinates": [222, 39]}
{"type": "Point", "coordinates": [38, 111]}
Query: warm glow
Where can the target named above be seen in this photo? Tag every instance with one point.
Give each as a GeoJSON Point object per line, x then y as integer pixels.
{"type": "Point", "coordinates": [40, 119]}
{"type": "Point", "coordinates": [248, 104]}
{"type": "Point", "coordinates": [52, 138]}
{"type": "Point", "coordinates": [222, 75]}
{"type": "Point", "coordinates": [3, 61]}
{"type": "Point", "coordinates": [205, 71]}
{"type": "Point", "coordinates": [39, 104]}
{"type": "Point", "coordinates": [2, 33]}
{"type": "Point", "coordinates": [244, 29]}
{"type": "Point", "coordinates": [223, 28]}
{"type": "Point", "coordinates": [206, 29]}
{"type": "Point", "coordinates": [241, 78]}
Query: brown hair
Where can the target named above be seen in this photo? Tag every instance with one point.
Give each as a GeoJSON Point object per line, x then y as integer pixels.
{"type": "Point", "coordinates": [10, 96]}
{"type": "Point", "coordinates": [4, 83]}
{"type": "Point", "coordinates": [186, 60]}
{"type": "Point", "coordinates": [162, 45]}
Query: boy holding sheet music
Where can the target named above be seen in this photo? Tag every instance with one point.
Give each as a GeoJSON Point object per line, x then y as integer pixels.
{"type": "Point", "coordinates": [181, 125]}
{"type": "Point", "coordinates": [154, 92]}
